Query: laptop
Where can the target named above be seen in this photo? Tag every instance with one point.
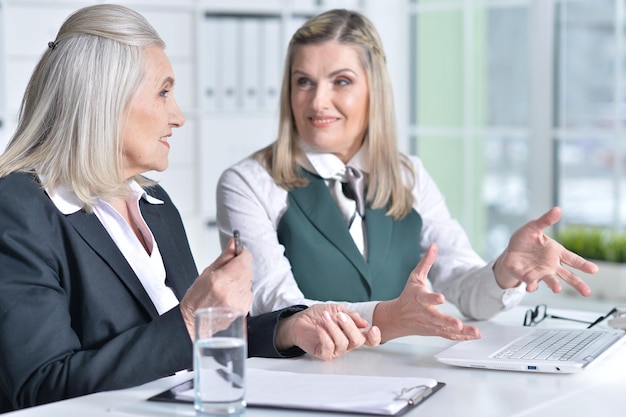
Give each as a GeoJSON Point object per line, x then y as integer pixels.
{"type": "Point", "coordinates": [533, 349]}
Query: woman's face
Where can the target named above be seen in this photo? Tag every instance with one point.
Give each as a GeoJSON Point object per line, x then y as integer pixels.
{"type": "Point", "coordinates": [330, 98]}
{"type": "Point", "coordinates": [150, 117]}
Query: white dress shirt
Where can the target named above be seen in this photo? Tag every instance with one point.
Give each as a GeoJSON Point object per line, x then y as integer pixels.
{"type": "Point", "coordinates": [148, 267]}
{"type": "Point", "coordinates": [249, 200]}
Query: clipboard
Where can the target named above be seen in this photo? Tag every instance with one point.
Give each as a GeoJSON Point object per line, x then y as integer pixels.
{"type": "Point", "coordinates": [363, 395]}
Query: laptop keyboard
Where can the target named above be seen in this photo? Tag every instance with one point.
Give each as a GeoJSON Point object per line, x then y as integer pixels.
{"type": "Point", "coordinates": [557, 345]}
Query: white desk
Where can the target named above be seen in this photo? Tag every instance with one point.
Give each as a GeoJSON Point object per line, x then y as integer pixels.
{"type": "Point", "coordinates": [599, 390]}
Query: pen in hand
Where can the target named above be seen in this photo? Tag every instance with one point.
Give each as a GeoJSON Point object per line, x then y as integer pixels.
{"type": "Point", "coordinates": [237, 242]}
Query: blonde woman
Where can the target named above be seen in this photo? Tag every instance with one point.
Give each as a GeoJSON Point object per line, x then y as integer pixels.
{"type": "Point", "coordinates": [314, 240]}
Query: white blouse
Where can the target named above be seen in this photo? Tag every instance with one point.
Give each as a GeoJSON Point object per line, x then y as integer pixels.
{"type": "Point", "coordinates": [249, 200]}
{"type": "Point", "coordinates": [148, 267]}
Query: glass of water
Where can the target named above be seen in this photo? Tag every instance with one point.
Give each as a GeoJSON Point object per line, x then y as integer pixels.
{"type": "Point", "coordinates": [220, 352]}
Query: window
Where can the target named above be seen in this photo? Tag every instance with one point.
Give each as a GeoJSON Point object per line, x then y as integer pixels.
{"type": "Point", "coordinates": [520, 105]}
{"type": "Point", "coordinates": [471, 113]}
{"type": "Point", "coordinates": [590, 110]}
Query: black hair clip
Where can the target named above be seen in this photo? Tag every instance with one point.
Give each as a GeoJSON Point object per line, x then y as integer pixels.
{"type": "Point", "coordinates": [52, 45]}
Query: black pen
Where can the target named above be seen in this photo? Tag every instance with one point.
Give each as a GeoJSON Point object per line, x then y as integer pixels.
{"type": "Point", "coordinates": [237, 242]}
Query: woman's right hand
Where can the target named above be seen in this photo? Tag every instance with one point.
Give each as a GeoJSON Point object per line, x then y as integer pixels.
{"type": "Point", "coordinates": [226, 282]}
{"type": "Point", "coordinates": [415, 311]}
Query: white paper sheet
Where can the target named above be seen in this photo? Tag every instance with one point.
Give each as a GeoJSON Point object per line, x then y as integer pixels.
{"type": "Point", "coordinates": [381, 395]}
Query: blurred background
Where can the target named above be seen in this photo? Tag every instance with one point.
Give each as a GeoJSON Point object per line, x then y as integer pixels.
{"type": "Point", "coordinates": [514, 105]}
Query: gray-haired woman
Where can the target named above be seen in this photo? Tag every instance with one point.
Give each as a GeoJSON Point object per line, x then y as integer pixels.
{"type": "Point", "coordinates": [98, 286]}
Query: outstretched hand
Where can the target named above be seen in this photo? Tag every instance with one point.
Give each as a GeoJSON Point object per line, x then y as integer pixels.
{"type": "Point", "coordinates": [531, 257]}
{"type": "Point", "coordinates": [326, 331]}
{"type": "Point", "coordinates": [415, 311]}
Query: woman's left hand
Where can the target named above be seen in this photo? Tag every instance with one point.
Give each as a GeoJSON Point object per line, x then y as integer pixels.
{"type": "Point", "coordinates": [531, 257]}
{"type": "Point", "coordinates": [326, 331]}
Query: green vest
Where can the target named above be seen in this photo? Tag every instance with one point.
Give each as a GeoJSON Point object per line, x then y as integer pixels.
{"type": "Point", "coordinates": [325, 261]}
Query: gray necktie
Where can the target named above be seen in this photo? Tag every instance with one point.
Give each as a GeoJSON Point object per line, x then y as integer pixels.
{"type": "Point", "coordinates": [354, 188]}
{"type": "Point", "coordinates": [341, 189]}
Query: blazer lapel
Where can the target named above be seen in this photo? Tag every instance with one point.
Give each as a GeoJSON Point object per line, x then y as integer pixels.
{"type": "Point", "coordinates": [167, 246]}
{"type": "Point", "coordinates": [96, 236]}
{"type": "Point", "coordinates": [380, 226]}
{"type": "Point", "coordinates": [317, 204]}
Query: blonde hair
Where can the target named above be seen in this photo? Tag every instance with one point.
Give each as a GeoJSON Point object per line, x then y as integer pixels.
{"type": "Point", "coordinates": [70, 120]}
{"type": "Point", "coordinates": [386, 185]}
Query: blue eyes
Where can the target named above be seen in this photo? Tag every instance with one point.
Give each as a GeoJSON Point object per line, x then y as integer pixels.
{"type": "Point", "coordinates": [305, 82]}
{"type": "Point", "coordinates": [164, 92]}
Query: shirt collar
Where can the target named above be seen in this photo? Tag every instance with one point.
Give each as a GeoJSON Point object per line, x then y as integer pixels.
{"type": "Point", "coordinates": [328, 165]}
{"type": "Point", "coordinates": [67, 202]}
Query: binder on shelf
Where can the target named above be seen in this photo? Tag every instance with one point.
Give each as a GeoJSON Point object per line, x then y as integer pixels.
{"type": "Point", "coordinates": [210, 54]}
{"type": "Point", "coordinates": [372, 395]}
{"type": "Point", "coordinates": [229, 83]}
{"type": "Point", "coordinates": [242, 54]}
{"type": "Point", "coordinates": [272, 61]}
{"type": "Point", "coordinates": [251, 49]}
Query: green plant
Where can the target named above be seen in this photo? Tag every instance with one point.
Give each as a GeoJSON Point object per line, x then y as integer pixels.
{"type": "Point", "coordinates": [594, 242]}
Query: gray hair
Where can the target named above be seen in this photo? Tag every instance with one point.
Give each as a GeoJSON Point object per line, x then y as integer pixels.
{"type": "Point", "coordinates": [70, 120]}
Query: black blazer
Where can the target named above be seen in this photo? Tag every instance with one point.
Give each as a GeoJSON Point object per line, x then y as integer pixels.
{"type": "Point", "coordinates": [74, 318]}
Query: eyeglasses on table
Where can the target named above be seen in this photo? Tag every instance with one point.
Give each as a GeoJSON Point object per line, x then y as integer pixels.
{"type": "Point", "coordinates": [538, 314]}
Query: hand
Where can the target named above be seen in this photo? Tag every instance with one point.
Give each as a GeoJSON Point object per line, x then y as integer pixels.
{"type": "Point", "coordinates": [531, 256]}
{"type": "Point", "coordinates": [415, 311]}
{"type": "Point", "coordinates": [326, 331]}
{"type": "Point", "coordinates": [226, 282]}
